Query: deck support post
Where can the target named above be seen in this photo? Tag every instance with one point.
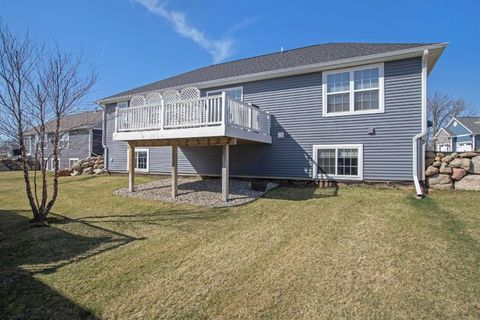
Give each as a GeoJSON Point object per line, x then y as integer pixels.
{"type": "Point", "coordinates": [131, 167]}
{"type": "Point", "coordinates": [174, 171]}
{"type": "Point", "coordinates": [225, 171]}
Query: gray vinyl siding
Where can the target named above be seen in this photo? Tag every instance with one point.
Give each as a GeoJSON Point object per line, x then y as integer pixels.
{"type": "Point", "coordinates": [78, 147]}
{"type": "Point", "coordinates": [296, 106]}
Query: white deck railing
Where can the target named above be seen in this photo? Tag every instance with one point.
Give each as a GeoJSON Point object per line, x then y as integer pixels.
{"type": "Point", "coordinates": [193, 113]}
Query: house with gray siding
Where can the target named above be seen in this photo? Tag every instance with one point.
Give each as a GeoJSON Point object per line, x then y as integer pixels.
{"type": "Point", "coordinates": [460, 134]}
{"type": "Point", "coordinates": [80, 138]}
{"type": "Point", "coordinates": [336, 111]}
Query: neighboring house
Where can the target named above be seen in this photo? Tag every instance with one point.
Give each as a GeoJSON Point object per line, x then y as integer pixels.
{"type": "Point", "coordinates": [342, 111]}
{"type": "Point", "coordinates": [81, 137]}
{"type": "Point", "coordinates": [460, 134]}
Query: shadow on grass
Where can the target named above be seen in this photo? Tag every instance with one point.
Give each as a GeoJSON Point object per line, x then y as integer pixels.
{"type": "Point", "coordinates": [183, 220]}
{"type": "Point", "coordinates": [25, 252]}
{"type": "Point", "coordinates": [301, 193]}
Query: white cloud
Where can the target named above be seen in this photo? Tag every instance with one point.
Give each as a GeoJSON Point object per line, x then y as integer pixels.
{"type": "Point", "coordinates": [218, 49]}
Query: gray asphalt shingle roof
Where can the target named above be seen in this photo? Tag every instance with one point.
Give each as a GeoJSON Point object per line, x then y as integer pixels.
{"type": "Point", "coordinates": [84, 120]}
{"type": "Point", "coordinates": [472, 123]}
{"type": "Point", "coordinates": [315, 54]}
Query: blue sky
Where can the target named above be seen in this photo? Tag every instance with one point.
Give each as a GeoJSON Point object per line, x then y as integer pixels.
{"type": "Point", "coordinates": [133, 42]}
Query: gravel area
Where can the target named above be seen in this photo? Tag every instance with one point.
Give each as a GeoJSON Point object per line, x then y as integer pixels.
{"type": "Point", "coordinates": [195, 191]}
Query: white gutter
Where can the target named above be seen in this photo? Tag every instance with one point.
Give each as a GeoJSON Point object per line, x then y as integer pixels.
{"type": "Point", "coordinates": [422, 134]}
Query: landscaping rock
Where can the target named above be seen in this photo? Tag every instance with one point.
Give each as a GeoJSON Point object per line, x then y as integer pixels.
{"type": "Point", "coordinates": [458, 173]}
{"type": "Point", "coordinates": [437, 158]}
{"type": "Point", "coordinates": [460, 163]}
{"type": "Point", "coordinates": [76, 173]}
{"type": "Point", "coordinates": [447, 159]}
{"type": "Point", "coordinates": [469, 154]}
{"type": "Point", "coordinates": [445, 169]}
{"type": "Point", "coordinates": [88, 170]}
{"type": "Point", "coordinates": [470, 182]}
{"type": "Point", "coordinates": [475, 165]}
{"type": "Point", "coordinates": [63, 173]}
{"type": "Point", "coordinates": [85, 165]}
{"type": "Point", "coordinates": [430, 154]}
{"type": "Point", "coordinates": [429, 161]}
{"type": "Point", "coordinates": [440, 181]}
{"type": "Point", "coordinates": [437, 164]}
{"type": "Point", "coordinates": [431, 170]}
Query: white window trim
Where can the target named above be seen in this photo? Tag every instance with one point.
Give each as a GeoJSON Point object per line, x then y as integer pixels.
{"type": "Point", "coordinates": [52, 167]}
{"type": "Point", "coordinates": [148, 159]}
{"type": "Point", "coordinates": [70, 159]}
{"type": "Point", "coordinates": [464, 143]}
{"type": "Point", "coordinates": [440, 145]}
{"type": "Point", "coordinates": [381, 91]}
{"type": "Point", "coordinates": [317, 147]}
{"type": "Point", "coordinates": [64, 137]}
{"type": "Point", "coordinates": [219, 91]}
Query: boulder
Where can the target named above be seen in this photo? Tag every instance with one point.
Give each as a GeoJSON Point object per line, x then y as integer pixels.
{"type": "Point", "coordinates": [469, 154]}
{"type": "Point", "coordinates": [447, 159]}
{"type": "Point", "coordinates": [460, 163]}
{"type": "Point", "coordinates": [445, 169]}
{"type": "Point", "coordinates": [98, 171]}
{"type": "Point", "coordinates": [431, 170]}
{"type": "Point", "coordinates": [76, 173]}
{"type": "Point", "coordinates": [3, 167]}
{"type": "Point", "coordinates": [63, 173]}
{"type": "Point", "coordinates": [454, 155]}
{"type": "Point", "coordinates": [430, 154]}
{"type": "Point", "coordinates": [101, 166]}
{"type": "Point", "coordinates": [458, 173]}
{"type": "Point", "coordinates": [85, 165]}
{"type": "Point", "coordinates": [440, 181]}
{"type": "Point", "coordinates": [475, 165]}
{"type": "Point", "coordinates": [429, 162]}
{"type": "Point", "coordinates": [470, 182]}
{"type": "Point", "coordinates": [437, 164]}
{"type": "Point", "coordinates": [437, 158]}
{"type": "Point", "coordinates": [440, 155]}
{"type": "Point", "coordinates": [88, 170]}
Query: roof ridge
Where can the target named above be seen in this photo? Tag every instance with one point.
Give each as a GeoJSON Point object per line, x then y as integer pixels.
{"type": "Point", "coordinates": [317, 45]}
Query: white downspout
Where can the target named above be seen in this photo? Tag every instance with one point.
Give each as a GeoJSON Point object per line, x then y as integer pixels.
{"type": "Point", "coordinates": [104, 137]}
{"type": "Point", "coordinates": [422, 134]}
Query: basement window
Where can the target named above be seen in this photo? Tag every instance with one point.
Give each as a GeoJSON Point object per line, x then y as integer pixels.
{"type": "Point", "coordinates": [142, 160]}
{"type": "Point", "coordinates": [338, 162]}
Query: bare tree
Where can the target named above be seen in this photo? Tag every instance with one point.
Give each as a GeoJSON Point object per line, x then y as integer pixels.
{"type": "Point", "coordinates": [38, 87]}
{"type": "Point", "coordinates": [441, 108]}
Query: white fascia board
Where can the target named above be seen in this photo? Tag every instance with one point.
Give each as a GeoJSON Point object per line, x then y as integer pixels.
{"type": "Point", "coordinates": [209, 132]}
{"type": "Point", "coordinates": [441, 129]}
{"type": "Point", "coordinates": [455, 119]}
{"type": "Point", "coordinates": [343, 63]}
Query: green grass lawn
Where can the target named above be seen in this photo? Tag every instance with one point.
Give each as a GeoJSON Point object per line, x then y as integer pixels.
{"type": "Point", "coordinates": [297, 253]}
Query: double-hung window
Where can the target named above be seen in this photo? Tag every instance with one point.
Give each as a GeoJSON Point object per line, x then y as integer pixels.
{"type": "Point", "coordinates": [353, 91]}
{"type": "Point", "coordinates": [72, 162]}
{"type": "Point", "coordinates": [234, 93]}
{"type": "Point", "coordinates": [338, 162]}
{"type": "Point", "coordinates": [142, 160]}
{"type": "Point", "coordinates": [64, 140]}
